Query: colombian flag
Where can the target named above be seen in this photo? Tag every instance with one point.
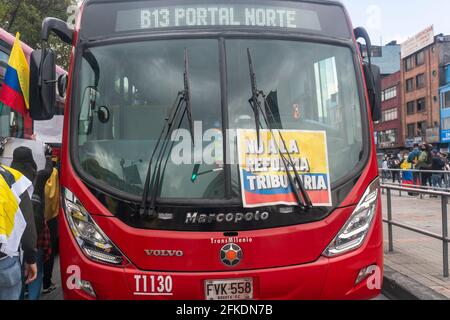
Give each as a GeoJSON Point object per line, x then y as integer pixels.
{"type": "Point", "coordinates": [16, 86]}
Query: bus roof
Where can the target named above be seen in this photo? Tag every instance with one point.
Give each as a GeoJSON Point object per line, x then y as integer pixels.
{"type": "Point", "coordinates": [108, 18]}
{"type": "Point", "coordinates": [335, 2]}
{"type": "Point", "coordinates": [9, 40]}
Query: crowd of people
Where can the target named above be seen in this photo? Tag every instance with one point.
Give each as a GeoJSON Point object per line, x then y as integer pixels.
{"type": "Point", "coordinates": [421, 166]}
{"type": "Point", "coordinates": [30, 198]}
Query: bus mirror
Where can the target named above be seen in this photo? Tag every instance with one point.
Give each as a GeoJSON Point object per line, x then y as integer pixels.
{"type": "Point", "coordinates": [361, 33]}
{"type": "Point", "coordinates": [59, 27]}
{"type": "Point", "coordinates": [62, 85]}
{"type": "Point", "coordinates": [42, 84]}
{"type": "Point", "coordinates": [372, 74]}
{"type": "Point", "coordinates": [373, 81]}
{"type": "Point", "coordinates": [103, 114]}
{"type": "Point", "coordinates": [88, 108]}
{"type": "Point", "coordinates": [376, 109]}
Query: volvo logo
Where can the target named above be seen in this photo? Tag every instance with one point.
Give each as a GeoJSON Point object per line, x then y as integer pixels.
{"type": "Point", "coordinates": [164, 253]}
{"type": "Point", "coordinates": [231, 254]}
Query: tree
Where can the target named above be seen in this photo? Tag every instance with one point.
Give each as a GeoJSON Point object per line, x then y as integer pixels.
{"type": "Point", "coordinates": [26, 16]}
{"type": "Point", "coordinates": [14, 13]}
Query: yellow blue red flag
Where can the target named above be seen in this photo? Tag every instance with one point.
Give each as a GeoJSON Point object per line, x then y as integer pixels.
{"type": "Point", "coordinates": [16, 86]}
{"type": "Point", "coordinates": [12, 222]}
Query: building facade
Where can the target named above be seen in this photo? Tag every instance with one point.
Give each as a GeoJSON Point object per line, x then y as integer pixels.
{"type": "Point", "coordinates": [444, 96]}
{"type": "Point", "coordinates": [387, 58]}
{"type": "Point", "coordinates": [389, 129]}
{"type": "Point", "coordinates": [423, 58]}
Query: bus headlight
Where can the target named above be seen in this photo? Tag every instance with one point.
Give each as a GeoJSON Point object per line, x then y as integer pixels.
{"type": "Point", "coordinates": [354, 232]}
{"type": "Point", "coordinates": [91, 239]}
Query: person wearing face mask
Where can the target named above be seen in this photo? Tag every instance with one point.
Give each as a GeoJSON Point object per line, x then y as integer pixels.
{"type": "Point", "coordinates": [446, 161]}
{"type": "Point", "coordinates": [437, 165]}
{"type": "Point", "coordinates": [425, 163]}
{"type": "Point", "coordinates": [407, 175]}
{"type": "Point", "coordinates": [413, 157]}
{"type": "Point", "coordinates": [394, 166]}
{"type": "Point", "coordinates": [384, 169]}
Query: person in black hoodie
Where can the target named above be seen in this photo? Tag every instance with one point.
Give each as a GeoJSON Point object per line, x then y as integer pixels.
{"type": "Point", "coordinates": [43, 243]}
{"type": "Point", "coordinates": [437, 165]}
{"type": "Point", "coordinates": [394, 165]}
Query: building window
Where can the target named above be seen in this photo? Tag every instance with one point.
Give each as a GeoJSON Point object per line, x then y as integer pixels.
{"type": "Point", "coordinates": [387, 137]}
{"type": "Point", "coordinates": [446, 100]}
{"type": "Point", "coordinates": [389, 93]}
{"type": "Point", "coordinates": [421, 106]}
{"type": "Point", "coordinates": [409, 63]}
{"type": "Point", "coordinates": [409, 85]}
{"type": "Point", "coordinates": [410, 107]}
{"type": "Point", "coordinates": [420, 58]}
{"type": "Point", "coordinates": [420, 81]}
{"type": "Point", "coordinates": [421, 128]}
{"type": "Point", "coordinates": [389, 115]}
{"type": "Point", "coordinates": [446, 124]}
{"type": "Point", "coordinates": [376, 51]}
{"type": "Point", "coordinates": [411, 128]}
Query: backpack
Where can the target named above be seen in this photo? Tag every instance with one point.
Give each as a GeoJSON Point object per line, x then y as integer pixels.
{"type": "Point", "coordinates": [428, 164]}
{"type": "Point", "coordinates": [52, 196]}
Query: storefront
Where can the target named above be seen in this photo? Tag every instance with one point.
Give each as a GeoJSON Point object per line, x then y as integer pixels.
{"type": "Point", "coordinates": [444, 93]}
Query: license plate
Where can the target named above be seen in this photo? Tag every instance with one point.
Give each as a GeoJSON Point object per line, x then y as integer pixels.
{"type": "Point", "coordinates": [229, 289]}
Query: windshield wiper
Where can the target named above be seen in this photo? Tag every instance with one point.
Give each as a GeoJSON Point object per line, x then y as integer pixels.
{"type": "Point", "coordinates": [304, 202]}
{"type": "Point", "coordinates": [155, 180]}
{"type": "Point", "coordinates": [171, 116]}
{"type": "Point", "coordinates": [187, 94]}
{"type": "Point", "coordinates": [254, 99]}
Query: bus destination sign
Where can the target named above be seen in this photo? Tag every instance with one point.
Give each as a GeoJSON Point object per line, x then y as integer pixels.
{"type": "Point", "coordinates": [217, 15]}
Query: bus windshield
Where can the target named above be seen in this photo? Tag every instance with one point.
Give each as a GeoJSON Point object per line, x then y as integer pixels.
{"type": "Point", "coordinates": [314, 86]}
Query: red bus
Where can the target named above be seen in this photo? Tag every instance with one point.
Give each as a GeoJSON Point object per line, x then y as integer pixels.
{"type": "Point", "coordinates": [12, 123]}
{"type": "Point", "coordinates": [142, 219]}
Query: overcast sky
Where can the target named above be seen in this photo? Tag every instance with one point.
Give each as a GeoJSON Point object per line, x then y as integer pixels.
{"type": "Point", "coordinates": [388, 20]}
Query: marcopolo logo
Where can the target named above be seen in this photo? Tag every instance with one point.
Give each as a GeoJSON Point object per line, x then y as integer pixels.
{"type": "Point", "coordinates": [238, 217]}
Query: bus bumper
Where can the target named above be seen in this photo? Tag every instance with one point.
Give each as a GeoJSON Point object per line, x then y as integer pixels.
{"type": "Point", "coordinates": [323, 279]}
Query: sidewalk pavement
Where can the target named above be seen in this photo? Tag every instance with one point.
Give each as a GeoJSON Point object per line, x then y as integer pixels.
{"type": "Point", "coordinates": [415, 256]}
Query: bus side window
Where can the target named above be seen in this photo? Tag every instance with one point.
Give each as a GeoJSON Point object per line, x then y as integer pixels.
{"type": "Point", "coordinates": [4, 57]}
{"type": "Point", "coordinates": [4, 116]}
{"type": "Point", "coordinates": [4, 120]}
{"type": "Point", "coordinates": [11, 122]}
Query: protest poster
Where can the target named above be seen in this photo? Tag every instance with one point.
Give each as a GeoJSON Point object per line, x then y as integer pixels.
{"type": "Point", "coordinates": [263, 177]}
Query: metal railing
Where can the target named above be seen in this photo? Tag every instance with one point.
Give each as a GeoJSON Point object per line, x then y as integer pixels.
{"type": "Point", "coordinates": [397, 175]}
{"type": "Point", "coordinates": [442, 237]}
{"type": "Point", "coordinates": [387, 175]}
